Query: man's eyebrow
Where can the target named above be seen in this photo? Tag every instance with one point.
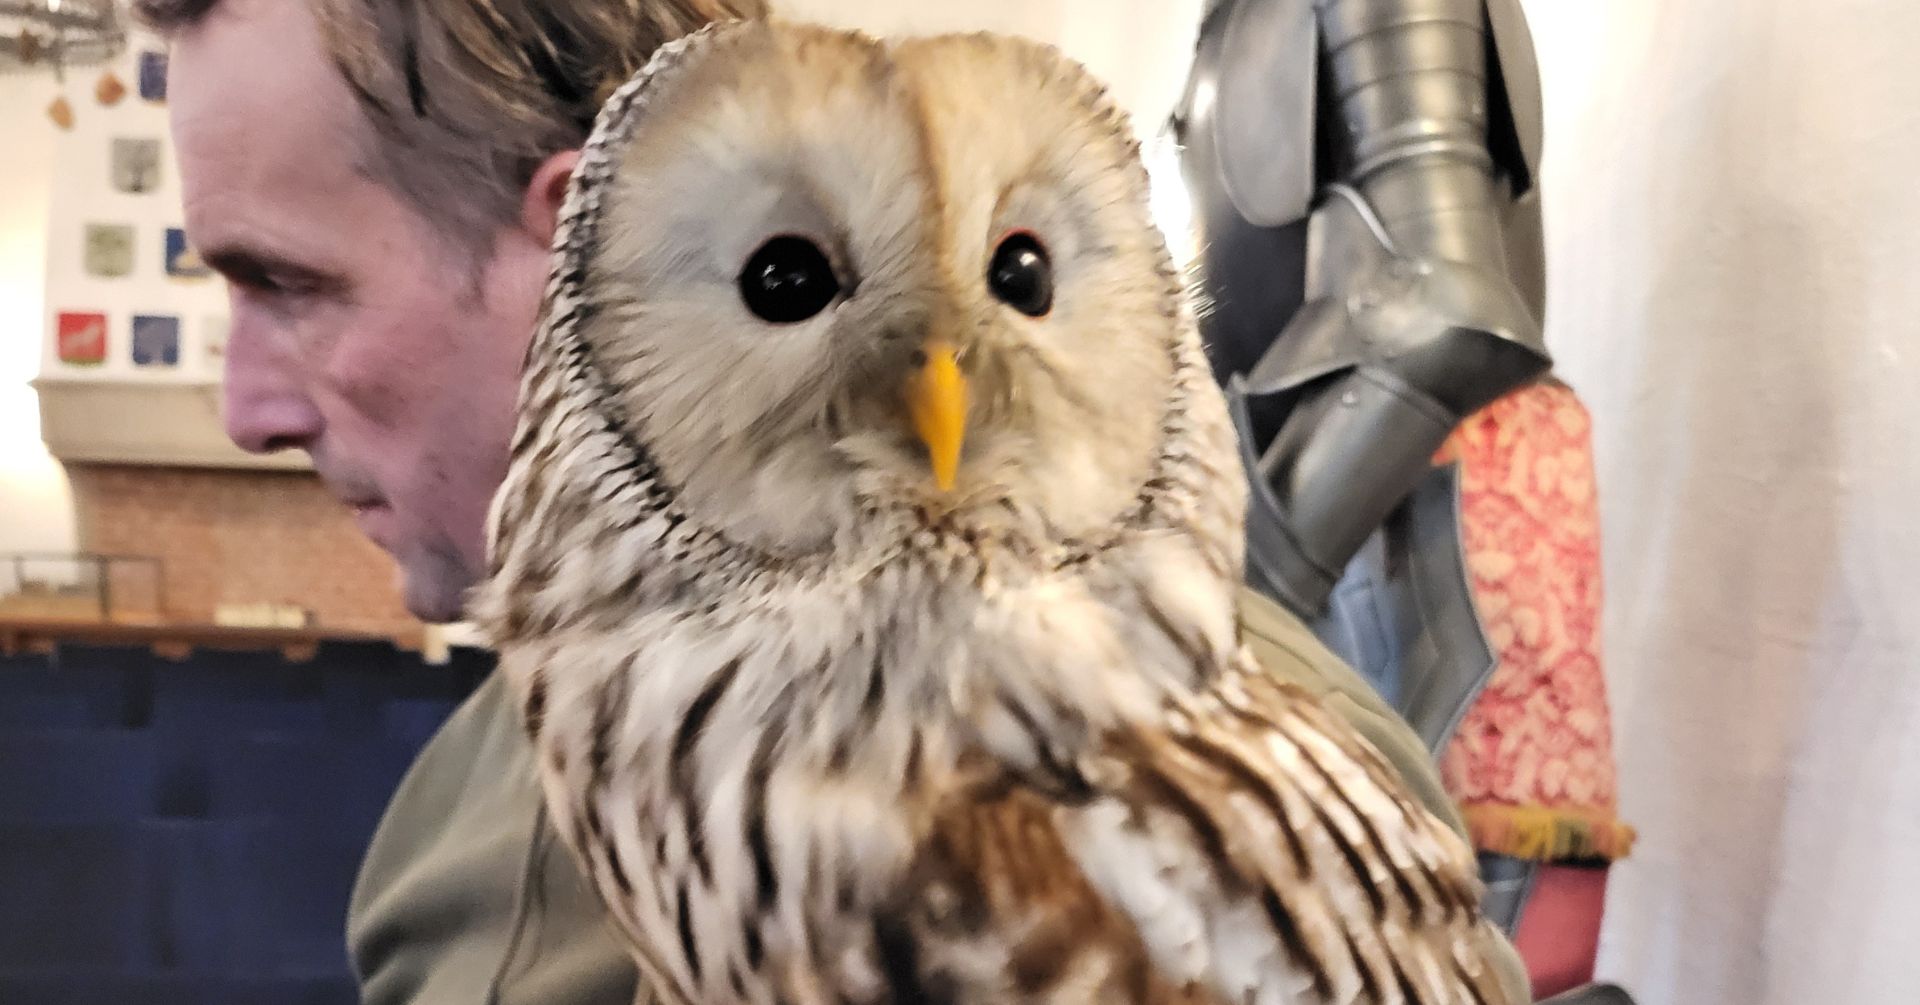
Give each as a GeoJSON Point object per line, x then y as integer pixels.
{"type": "Point", "coordinates": [242, 263]}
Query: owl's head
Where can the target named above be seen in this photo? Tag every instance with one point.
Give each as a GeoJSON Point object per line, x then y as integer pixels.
{"type": "Point", "coordinates": [819, 276]}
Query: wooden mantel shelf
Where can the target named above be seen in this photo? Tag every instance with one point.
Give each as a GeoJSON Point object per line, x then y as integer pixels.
{"type": "Point", "coordinates": [170, 423]}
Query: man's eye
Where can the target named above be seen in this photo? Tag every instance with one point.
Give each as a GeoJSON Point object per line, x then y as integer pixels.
{"type": "Point", "coordinates": [279, 287]}
{"type": "Point", "coordinates": [271, 283]}
{"type": "Point", "coordinates": [263, 281]}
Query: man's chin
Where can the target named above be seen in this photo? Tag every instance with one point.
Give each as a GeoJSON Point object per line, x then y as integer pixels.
{"type": "Point", "coordinates": [434, 587]}
{"type": "Point", "coordinates": [433, 609]}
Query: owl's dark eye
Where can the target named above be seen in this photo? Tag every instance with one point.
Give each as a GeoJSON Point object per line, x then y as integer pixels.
{"type": "Point", "coordinates": [1021, 276]}
{"type": "Point", "coordinates": [788, 280]}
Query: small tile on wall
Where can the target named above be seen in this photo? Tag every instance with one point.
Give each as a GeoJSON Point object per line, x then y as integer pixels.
{"type": "Point", "coordinates": [153, 75]}
{"type": "Point", "coordinates": [182, 260]}
{"type": "Point", "coordinates": [108, 251]}
{"type": "Point", "coordinates": [156, 340]}
{"type": "Point", "coordinates": [135, 164]}
{"type": "Point", "coordinates": [81, 338]}
{"type": "Point", "coordinates": [109, 89]}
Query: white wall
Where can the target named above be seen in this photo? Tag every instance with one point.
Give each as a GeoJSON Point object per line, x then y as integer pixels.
{"type": "Point", "coordinates": [1139, 47]}
{"type": "Point", "coordinates": [36, 512]}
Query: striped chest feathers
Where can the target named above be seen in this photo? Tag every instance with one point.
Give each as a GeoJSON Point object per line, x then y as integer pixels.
{"type": "Point", "coordinates": [745, 781]}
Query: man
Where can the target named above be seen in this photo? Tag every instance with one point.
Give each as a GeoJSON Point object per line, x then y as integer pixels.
{"type": "Point", "coordinates": [378, 182]}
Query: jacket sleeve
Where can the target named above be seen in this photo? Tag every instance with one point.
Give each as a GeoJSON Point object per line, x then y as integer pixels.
{"type": "Point", "coordinates": [467, 895]}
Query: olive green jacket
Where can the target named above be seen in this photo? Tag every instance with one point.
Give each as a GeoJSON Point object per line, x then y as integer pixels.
{"type": "Point", "coordinates": [468, 898]}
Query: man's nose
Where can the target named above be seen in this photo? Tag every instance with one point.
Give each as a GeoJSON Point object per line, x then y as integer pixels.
{"type": "Point", "coordinates": [267, 406]}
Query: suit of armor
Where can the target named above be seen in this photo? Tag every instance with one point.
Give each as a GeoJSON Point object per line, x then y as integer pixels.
{"type": "Point", "coordinates": [1370, 252]}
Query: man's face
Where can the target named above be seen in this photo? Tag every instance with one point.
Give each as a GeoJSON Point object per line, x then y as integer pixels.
{"type": "Point", "coordinates": [358, 334]}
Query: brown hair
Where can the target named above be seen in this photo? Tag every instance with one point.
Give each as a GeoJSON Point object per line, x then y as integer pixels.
{"type": "Point", "coordinates": [467, 97]}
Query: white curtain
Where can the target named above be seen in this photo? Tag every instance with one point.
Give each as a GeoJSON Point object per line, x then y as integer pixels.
{"type": "Point", "coordinates": [1733, 214]}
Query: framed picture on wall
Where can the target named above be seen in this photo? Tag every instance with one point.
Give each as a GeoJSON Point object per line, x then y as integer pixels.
{"type": "Point", "coordinates": [136, 164]}
{"type": "Point", "coordinates": [182, 261]}
{"type": "Point", "coordinates": [109, 249]}
{"type": "Point", "coordinates": [156, 340]}
{"type": "Point", "coordinates": [80, 337]}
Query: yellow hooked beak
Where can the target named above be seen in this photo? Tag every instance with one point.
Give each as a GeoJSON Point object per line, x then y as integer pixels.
{"type": "Point", "coordinates": [937, 402]}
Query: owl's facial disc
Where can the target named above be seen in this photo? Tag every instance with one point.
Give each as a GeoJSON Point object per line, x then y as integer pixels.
{"type": "Point", "coordinates": [835, 278]}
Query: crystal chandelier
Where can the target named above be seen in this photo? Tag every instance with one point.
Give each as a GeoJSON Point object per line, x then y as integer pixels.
{"type": "Point", "coordinates": [59, 34]}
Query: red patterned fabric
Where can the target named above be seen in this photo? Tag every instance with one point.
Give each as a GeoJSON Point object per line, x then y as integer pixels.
{"type": "Point", "coordinates": [1539, 736]}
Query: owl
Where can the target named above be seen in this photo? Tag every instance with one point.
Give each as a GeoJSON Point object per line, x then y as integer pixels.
{"type": "Point", "coordinates": [866, 567]}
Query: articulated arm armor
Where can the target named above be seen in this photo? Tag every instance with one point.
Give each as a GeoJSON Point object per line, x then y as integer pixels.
{"type": "Point", "coordinates": [1375, 279]}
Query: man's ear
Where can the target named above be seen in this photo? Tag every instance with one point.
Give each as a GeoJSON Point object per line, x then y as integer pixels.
{"type": "Point", "coordinates": [540, 205]}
